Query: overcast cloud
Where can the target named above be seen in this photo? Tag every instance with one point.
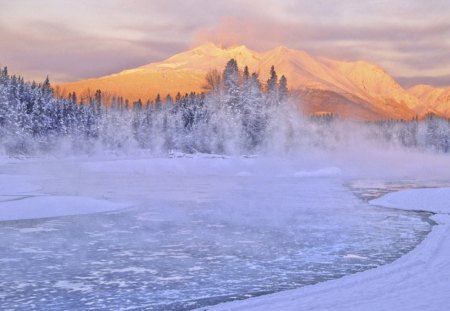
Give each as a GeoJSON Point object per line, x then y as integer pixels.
{"type": "Point", "coordinates": [71, 40]}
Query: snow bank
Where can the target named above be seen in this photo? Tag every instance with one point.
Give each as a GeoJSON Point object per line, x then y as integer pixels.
{"type": "Point", "coordinates": [436, 200]}
{"type": "Point", "coordinates": [417, 281]}
{"type": "Point", "coordinates": [53, 206]}
{"type": "Point", "coordinates": [21, 198]}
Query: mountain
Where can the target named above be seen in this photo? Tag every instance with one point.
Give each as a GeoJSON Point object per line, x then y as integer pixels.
{"type": "Point", "coordinates": [435, 100]}
{"type": "Point", "coordinates": [350, 89]}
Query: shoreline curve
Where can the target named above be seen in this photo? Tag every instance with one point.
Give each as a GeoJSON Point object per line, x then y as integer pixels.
{"type": "Point", "coordinates": [418, 280]}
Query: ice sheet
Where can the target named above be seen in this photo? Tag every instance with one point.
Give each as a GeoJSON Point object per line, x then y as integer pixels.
{"type": "Point", "coordinates": [201, 231]}
{"type": "Point", "coordinates": [417, 281]}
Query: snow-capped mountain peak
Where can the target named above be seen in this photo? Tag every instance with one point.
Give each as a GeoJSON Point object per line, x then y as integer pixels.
{"type": "Point", "coordinates": [351, 89]}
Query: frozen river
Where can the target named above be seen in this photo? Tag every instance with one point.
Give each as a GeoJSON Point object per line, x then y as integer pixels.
{"type": "Point", "coordinates": [195, 233]}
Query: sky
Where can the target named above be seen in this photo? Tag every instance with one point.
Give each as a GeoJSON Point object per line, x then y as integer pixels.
{"type": "Point", "coordinates": [73, 40]}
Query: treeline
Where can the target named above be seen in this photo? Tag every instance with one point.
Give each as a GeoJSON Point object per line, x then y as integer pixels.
{"type": "Point", "coordinates": [233, 117]}
{"type": "Point", "coordinates": [431, 133]}
{"type": "Point", "coordinates": [236, 115]}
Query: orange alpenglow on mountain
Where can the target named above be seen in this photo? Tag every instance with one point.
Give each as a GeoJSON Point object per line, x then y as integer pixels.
{"type": "Point", "coordinates": [349, 89]}
{"type": "Point", "coordinates": [437, 99]}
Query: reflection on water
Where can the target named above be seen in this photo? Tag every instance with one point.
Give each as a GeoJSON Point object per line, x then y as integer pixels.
{"type": "Point", "coordinates": [178, 255]}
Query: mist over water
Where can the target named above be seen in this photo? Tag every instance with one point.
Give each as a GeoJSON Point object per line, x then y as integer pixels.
{"type": "Point", "coordinates": [198, 231]}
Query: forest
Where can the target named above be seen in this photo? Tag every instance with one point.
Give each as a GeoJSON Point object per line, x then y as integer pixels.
{"type": "Point", "coordinates": [237, 114]}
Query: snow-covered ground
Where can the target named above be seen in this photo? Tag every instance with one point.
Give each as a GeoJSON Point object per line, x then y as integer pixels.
{"type": "Point", "coordinates": [420, 280]}
{"type": "Point", "coordinates": [178, 233]}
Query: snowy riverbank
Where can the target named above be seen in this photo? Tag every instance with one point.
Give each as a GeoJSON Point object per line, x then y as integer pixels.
{"type": "Point", "coordinates": [417, 281]}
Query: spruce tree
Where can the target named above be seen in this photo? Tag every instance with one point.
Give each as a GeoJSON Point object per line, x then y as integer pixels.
{"type": "Point", "coordinates": [4, 75]}
{"type": "Point", "coordinates": [231, 76]}
{"type": "Point", "coordinates": [272, 83]}
{"type": "Point", "coordinates": [282, 88]}
{"type": "Point", "coordinates": [47, 88]}
{"type": "Point", "coordinates": [245, 77]}
{"type": "Point", "coordinates": [231, 83]}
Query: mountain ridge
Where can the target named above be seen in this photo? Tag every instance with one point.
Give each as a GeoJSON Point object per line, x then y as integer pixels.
{"type": "Point", "coordinates": [437, 98]}
{"type": "Point", "coordinates": [357, 89]}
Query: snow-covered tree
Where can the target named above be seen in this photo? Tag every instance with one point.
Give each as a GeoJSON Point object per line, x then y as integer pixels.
{"type": "Point", "coordinates": [235, 116]}
{"type": "Point", "coordinates": [231, 83]}
{"type": "Point", "coordinates": [282, 89]}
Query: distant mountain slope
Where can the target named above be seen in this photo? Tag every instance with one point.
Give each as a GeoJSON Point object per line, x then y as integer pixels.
{"type": "Point", "coordinates": [351, 89]}
{"type": "Point", "coordinates": [436, 100]}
